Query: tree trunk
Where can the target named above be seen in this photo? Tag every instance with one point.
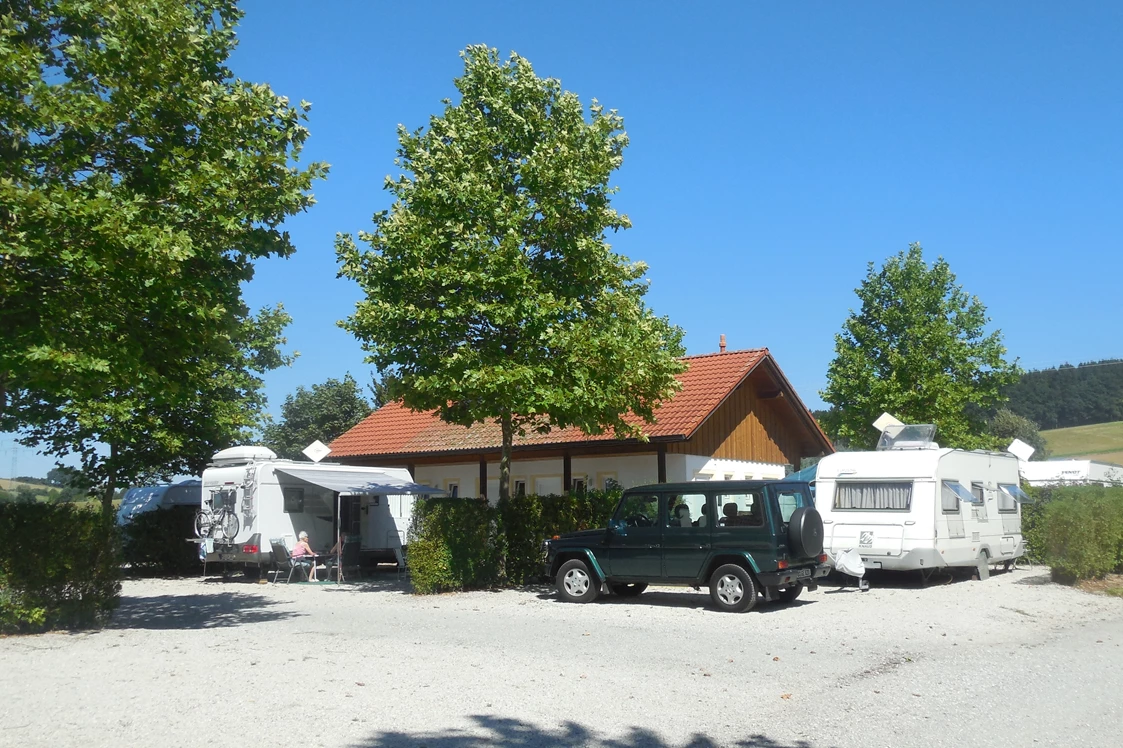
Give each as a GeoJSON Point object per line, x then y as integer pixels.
{"type": "Point", "coordinates": [505, 456]}
{"type": "Point", "coordinates": [110, 483]}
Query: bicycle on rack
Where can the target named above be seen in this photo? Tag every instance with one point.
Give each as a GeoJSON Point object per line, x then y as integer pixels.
{"type": "Point", "coordinates": [222, 524]}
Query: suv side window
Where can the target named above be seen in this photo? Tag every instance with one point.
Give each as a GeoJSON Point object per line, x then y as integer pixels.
{"type": "Point", "coordinates": [789, 500]}
{"type": "Point", "coordinates": [638, 510]}
{"type": "Point", "coordinates": [687, 510]}
{"type": "Point", "coordinates": [741, 509]}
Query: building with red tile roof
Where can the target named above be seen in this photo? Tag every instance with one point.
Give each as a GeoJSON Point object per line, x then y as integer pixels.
{"type": "Point", "coordinates": [736, 416]}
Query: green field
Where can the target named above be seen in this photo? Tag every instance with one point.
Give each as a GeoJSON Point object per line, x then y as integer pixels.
{"type": "Point", "coordinates": [1101, 441]}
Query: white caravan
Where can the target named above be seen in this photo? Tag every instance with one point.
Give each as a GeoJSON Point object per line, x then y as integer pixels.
{"type": "Point", "coordinates": [274, 498]}
{"type": "Point", "coordinates": [912, 505]}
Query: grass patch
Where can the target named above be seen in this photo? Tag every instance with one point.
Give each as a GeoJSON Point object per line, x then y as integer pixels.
{"type": "Point", "coordinates": [1100, 441]}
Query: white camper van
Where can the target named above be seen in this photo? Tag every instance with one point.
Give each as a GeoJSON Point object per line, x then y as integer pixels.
{"type": "Point", "coordinates": [913, 505]}
{"type": "Point", "coordinates": [274, 498]}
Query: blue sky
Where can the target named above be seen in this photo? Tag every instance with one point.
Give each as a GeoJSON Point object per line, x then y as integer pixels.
{"type": "Point", "coordinates": [776, 149]}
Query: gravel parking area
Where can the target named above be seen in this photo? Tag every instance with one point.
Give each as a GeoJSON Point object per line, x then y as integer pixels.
{"type": "Point", "coordinates": [1011, 661]}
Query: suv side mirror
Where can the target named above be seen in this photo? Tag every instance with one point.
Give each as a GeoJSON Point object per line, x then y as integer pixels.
{"type": "Point", "coordinates": [615, 525]}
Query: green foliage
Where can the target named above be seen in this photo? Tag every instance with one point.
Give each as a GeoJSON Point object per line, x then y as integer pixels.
{"type": "Point", "coordinates": [59, 567]}
{"type": "Point", "coordinates": [324, 412]}
{"type": "Point", "coordinates": [1006, 425]}
{"type": "Point", "coordinates": [528, 520]}
{"type": "Point", "coordinates": [155, 542]}
{"type": "Point", "coordinates": [491, 292]}
{"type": "Point", "coordinates": [459, 544]}
{"type": "Point", "coordinates": [1080, 529]}
{"type": "Point", "coordinates": [454, 544]}
{"type": "Point", "coordinates": [918, 350]}
{"type": "Point", "coordinates": [138, 183]}
{"type": "Point", "coordinates": [1070, 395]}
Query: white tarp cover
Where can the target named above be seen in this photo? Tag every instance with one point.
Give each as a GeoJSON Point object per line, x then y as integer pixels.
{"type": "Point", "coordinates": [356, 480]}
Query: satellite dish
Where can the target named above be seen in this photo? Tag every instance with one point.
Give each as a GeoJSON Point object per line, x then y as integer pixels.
{"type": "Point", "coordinates": [1021, 450]}
{"type": "Point", "coordinates": [316, 451]}
{"type": "Point", "coordinates": [884, 421]}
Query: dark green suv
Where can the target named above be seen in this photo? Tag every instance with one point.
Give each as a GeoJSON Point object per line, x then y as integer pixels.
{"type": "Point", "coordinates": [741, 538]}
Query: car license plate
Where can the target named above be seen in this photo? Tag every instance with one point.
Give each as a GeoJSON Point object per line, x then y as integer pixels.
{"type": "Point", "coordinates": [801, 573]}
{"type": "Point", "coordinates": [226, 557]}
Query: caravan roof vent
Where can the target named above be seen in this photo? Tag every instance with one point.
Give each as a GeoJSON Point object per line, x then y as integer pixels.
{"type": "Point", "coordinates": [242, 455]}
{"type": "Point", "coordinates": [908, 436]}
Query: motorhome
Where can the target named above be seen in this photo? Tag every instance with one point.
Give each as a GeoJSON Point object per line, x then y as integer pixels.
{"type": "Point", "coordinates": [274, 498]}
{"type": "Point", "coordinates": [912, 505]}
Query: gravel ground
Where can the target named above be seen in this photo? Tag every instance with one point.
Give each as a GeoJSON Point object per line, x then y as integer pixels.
{"type": "Point", "coordinates": [1012, 661]}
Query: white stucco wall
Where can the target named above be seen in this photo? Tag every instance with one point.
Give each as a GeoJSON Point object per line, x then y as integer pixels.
{"type": "Point", "coordinates": [545, 476]}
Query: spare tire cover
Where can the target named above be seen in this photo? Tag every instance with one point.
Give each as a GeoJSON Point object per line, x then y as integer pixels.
{"type": "Point", "coordinates": [805, 532]}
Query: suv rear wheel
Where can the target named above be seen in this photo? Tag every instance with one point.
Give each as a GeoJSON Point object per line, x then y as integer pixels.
{"type": "Point", "coordinates": [732, 589]}
{"type": "Point", "coordinates": [628, 590]}
{"type": "Point", "coordinates": [576, 584]}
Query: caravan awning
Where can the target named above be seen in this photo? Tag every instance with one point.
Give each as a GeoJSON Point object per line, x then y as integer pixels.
{"type": "Point", "coordinates": [356, 480]}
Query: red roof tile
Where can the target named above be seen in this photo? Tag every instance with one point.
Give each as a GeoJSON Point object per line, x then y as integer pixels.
{"type": "Point", "coordinates": [395, 430]}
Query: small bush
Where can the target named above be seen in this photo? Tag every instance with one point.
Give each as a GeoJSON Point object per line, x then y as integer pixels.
{"type": "Point", "coordinates": [156, 542]}
{"type": "Point", "coordinates": [454, 544]}
{"type": "Point", "coordinates": [60, 567]}
{"type": "Point", "coordinates": [1082, 531]}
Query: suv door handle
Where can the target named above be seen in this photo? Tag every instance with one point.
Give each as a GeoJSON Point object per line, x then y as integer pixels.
{"type": "Point", "coordinates": [654, 546]}
{"type": "Point", "coordinates": [703, 546]}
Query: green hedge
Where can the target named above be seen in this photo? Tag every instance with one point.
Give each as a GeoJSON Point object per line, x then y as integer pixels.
{"type": "Point", "coordinates": [1080, 529]}
{"type": "Point", "coordinates": [454, 544]}
{"type": "Point", "coordinates": [60, 567]}
{"type": "Point", "coordinates": [155, 542]}
{"type": "Point", "coordinates": [460, 544]}
{"type": "Point", "coordinates": [528, 520]}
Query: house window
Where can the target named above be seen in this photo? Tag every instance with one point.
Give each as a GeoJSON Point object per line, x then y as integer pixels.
{"type": "Point", "coordinates": [729, 476]}
{"type": "Point", "coordinates": [453, 488]}
{"type": "Point", "coordinates": [520, 488]}
{"type": "Point", "coordinates": [878, 497]}
{"type": "Point", "coordinates": [578, 486]}
{"type": "Point", "coordinates": [703, 476]}
{"type": "Point", "coordinates": [294, 499]}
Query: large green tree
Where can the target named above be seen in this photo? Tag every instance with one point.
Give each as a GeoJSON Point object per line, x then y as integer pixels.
{"type": "Point", "coordinates": [918, 348]}
{"type": "Point", "coordinates": [323, 412]}
{"type": "Point", "coordinates": [139, 181]}
{"type": "Point", "coordinates": [491, 293]}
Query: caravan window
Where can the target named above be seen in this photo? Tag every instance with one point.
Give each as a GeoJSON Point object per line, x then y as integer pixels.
{"type": "Point", "coordinates": [878, 497]}
{"type": "Point", "coordinates": [1009, 496]}
{"type": "Point", "coordinates": [964, 495]}
{"type": "Point", "coordinates": [949, 499]}
{"type": "Point", "coordinates": [294, 499]}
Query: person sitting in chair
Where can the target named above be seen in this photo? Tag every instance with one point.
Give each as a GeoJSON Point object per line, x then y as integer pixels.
{"type": "Point", "coordinates": [682, 515]}
{"type": "Point", "coordinates": [338, 547]}
{"type": "Point", "coordinates": [307, 556]}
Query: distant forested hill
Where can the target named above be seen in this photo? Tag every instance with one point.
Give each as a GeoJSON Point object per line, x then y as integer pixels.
{"type": "Point", "coordinates": [1071, 395]}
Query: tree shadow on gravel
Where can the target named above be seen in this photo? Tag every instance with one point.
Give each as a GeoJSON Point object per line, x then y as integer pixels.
{"type": "Point", "coordinates": [491, 730]}
{"type": "Point", "coordinates": [213, 610]}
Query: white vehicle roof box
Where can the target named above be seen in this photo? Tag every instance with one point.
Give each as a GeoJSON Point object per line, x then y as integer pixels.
{"type": "Point", "coordinates": [242, 455]}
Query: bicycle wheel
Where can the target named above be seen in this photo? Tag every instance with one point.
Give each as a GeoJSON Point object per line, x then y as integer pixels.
{"type": "Point", "coordinates": [229, 525]}
{"type": "Point", "coordinates": [204, 523]}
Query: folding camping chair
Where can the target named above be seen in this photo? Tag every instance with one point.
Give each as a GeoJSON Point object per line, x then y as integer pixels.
{"type": "Point", "coordinates": [283, 561]}
{"type": "Point", "coordinates": [348, 559]}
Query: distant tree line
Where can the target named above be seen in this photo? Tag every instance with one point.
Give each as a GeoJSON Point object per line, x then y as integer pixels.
{"type": "Point", "coordinates": [1070, 395]}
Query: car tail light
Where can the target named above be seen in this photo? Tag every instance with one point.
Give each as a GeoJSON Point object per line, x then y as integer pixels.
{"type": "Point", "coordinates": [822, 558]}
{"type": "Point", "coordinates": [782, 565]}
{"type": "Point", "coordinates": [557, 537]}
{"type": "Point", "coordinates": [249, 549]}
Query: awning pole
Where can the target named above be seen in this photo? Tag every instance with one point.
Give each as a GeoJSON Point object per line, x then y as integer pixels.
{"type": "Point", "coordinates": [338, 536]}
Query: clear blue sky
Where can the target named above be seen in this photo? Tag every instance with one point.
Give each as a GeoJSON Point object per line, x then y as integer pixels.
{"type": "Point", "coordinates": [775, 150]}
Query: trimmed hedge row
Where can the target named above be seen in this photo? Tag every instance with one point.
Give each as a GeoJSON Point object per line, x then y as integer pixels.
{"type": "Point", "coordinates": [155, 542]}
{"type": "Point", "coordinates": [1077, 531]}
{"type": "Point", "coordinates": [60, 567]}
{"type": "Point", "coordinates": [461, 544]}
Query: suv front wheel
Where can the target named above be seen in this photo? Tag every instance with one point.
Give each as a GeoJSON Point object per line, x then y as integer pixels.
{"type": "Point", "coordinates": [576, 584]}
{"type": "Point", "coordinates": [732, 589]}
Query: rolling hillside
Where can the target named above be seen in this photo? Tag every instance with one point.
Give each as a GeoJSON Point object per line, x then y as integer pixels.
{"type": "Point", "coordinates": [1101, 441]}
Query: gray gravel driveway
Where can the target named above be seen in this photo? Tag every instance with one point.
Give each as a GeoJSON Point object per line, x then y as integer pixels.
{"type": "Point", "coordinates": [1012, 661]}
